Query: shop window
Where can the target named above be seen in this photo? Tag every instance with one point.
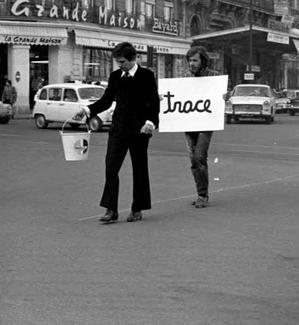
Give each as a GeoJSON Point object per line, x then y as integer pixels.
{"type": "Point", "coordinates": [168, 66]}
{"type": "Point", "coordinates": [195, 25]}
{"type": "Point", "coordinates": [294, 4]}
{"type": "Point", "coordinates": [97, 64]}
{"type": "Point", "coordinates": [150, 8]}
{"type": "Point", "coordinates": [131, 6]}
{"type": "Point", "coordinates": [110, 4]}
{"type": "Point", "coordinates": [168, 11]}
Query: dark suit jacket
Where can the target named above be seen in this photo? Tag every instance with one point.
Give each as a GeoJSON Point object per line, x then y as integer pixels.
{"type": "Point", "coordinates": [137, 101]}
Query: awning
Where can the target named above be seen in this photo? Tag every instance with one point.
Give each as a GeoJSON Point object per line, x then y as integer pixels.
{"type": "Point", "coordinates": [108, 39]}
{"type": "Point", "coordinates": [242, 29]}
{"type": "Point", "coordinates": [32, 35]}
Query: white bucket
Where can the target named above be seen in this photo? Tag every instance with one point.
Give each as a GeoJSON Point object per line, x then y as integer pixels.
{"type": "Point", "coordinates": [75, 145]}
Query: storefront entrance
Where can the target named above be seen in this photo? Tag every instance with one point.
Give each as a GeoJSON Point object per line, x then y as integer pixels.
{"type": "Point", "coordinates": [39, 69]}
{"type": "Point", "coordinates": [3, 67]}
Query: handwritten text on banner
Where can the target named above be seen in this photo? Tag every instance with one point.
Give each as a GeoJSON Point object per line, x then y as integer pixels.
{"type": "Point", "coordinates": [192, 104]}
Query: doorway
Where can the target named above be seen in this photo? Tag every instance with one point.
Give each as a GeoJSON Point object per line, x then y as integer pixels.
{"type": "Point", "coordinates": [39, 69]}
{"type": "Point", "coordinates": [3, 67]}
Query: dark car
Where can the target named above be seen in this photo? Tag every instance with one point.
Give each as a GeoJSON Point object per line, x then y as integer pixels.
{"type": "Point", "coordinates": [294, 106]}
{"type": "Point", "coordinates": [5, 113]}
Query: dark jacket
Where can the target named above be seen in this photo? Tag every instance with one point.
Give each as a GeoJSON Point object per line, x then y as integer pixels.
{"type": "Point", "coordinates": [206, 72]}
{"type": "Point", "coordinates": [136, 98]}
{"type": "Point", "coordinates": [9, 95]}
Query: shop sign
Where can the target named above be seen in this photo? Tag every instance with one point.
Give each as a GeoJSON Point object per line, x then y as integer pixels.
{"type": "Point", "coordinates": [254, 68]}
{"type": "Point", "coordinates": [214, 55]}
{"type": "Point", "coordinates": [38, 40]}
{"type": "Point", "coordinates": [118, 19]}
{"type": "Point", "coordinates": [248, 76]}
{"type": "Point", "coordinates": [277, 26]}
{"type": "Point", "coordinates": [111, 44]}
{"type": "Point", "coordinates": [24, 8]}
{"type": "Point", "coordinates": [281, 7]}
{"type": "Point", "coordinates": [287, 20]}
{"type": "Point", "coordinates": [165, 28]}
{"type": "Point", "coordinates": [170, 50]}
{"type": "Point", "coordinates": [277, 38]}
{"type": "Point", "coordinates": [162, 49]}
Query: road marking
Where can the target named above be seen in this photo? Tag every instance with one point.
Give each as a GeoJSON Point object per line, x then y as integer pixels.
{"type": "Point", "coordinates": [231, 188]}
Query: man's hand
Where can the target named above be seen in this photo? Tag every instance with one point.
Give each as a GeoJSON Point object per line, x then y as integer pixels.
{"type": "Point", "coordinates": [147, 129]}
{"type": "Point", "coordinates": [79, 116]}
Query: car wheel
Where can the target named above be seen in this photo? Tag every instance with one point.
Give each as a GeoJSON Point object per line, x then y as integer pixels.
{"type": "Point", "coordinates": [237, 119]}
{"type": "Point", "coordinates": [41, 122]}
{"type": "Point", "coordinates": [4, 120]}
{"type": "Point", "coordinates": [291, 113]}
{"type": "Point", "coordinates": [74, 126]}
{"type": "Point", "coordinates": [95, 124]}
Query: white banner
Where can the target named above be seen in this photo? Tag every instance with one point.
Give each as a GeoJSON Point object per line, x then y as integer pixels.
{"type": "Point", "coordinates": [192, 104]}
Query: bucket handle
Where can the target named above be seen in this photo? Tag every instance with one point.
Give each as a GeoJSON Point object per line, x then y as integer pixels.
{"type": "Point", "coordinates": [69, 120]}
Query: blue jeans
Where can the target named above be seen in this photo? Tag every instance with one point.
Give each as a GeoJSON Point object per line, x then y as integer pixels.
{"type": "Point", "coordinates": [198, 145]}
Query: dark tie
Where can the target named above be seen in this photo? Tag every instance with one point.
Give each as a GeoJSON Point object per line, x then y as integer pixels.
{"type": "Point", "coordinates": [126, 75]}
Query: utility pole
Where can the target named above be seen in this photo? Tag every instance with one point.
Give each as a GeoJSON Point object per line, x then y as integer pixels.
{"type": "Point", "coordinates": [250, 36]}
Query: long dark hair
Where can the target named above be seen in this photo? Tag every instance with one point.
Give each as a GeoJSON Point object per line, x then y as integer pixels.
{"type": "Point", "coordinates": [201, 50]}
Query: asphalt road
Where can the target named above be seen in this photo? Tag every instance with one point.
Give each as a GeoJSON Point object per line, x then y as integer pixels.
{"type": "Point", "coordinates": [233, 263]}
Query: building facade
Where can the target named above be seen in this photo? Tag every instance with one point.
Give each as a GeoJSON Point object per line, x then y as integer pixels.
{"type": "Point", "coordinates": [49, 41]}
{"type": "Point", "coordinates": [250, 40]}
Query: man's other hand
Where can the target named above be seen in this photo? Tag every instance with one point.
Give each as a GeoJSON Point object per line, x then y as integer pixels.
{"type": "Point", "coordinates": [147, 129]}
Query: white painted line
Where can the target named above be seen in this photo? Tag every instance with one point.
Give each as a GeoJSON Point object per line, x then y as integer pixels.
{"type": "Point", "coordinates": [231, 188]}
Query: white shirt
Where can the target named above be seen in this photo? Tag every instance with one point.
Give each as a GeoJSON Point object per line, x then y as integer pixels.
{"type": "Point", "coordinates": [132, 71]}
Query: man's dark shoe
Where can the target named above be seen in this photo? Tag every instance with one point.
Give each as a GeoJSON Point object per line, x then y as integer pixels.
{"type": "Point", "coordinates": [109, 217]}
{"type": "Point", "coordinates": [134, 216]}
{"type": "Point", "coordinates": [200, 202]}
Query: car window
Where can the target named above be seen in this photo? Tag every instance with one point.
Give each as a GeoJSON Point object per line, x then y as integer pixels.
{"type": "Point", "coordinates": [252, 91]}
{"type": "Point", "coordinates": [70, 95]}
{"type": "Point", "coordinates": [43, 94]}
{"type": "Point", "coordinates": [91, 92]}
{"type": "Point", "coordinates": [55, 94]}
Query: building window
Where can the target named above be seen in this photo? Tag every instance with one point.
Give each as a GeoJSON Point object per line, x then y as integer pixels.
{"type": "Point", "coordinates": [168, 11]}
{"type": "Point", "coordinates": [131, 6]}
{"type": "Point", "coordinates": [294, 4]}
{"type": "Point", "coordinates": [150, 8]}
{"type": "Point", "coordinates": [110, 4]}
{"type": "Point", "coordinates": [97, 64]}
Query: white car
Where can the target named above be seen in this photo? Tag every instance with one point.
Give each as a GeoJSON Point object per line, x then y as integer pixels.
{"type": "Point", "coordinates": [254, 101]}
{"type": "Point", "coordinates": [60, 102]}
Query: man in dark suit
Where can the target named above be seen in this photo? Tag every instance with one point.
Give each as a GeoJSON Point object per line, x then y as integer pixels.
{"type": "Point", "coordinates": [136, 115]}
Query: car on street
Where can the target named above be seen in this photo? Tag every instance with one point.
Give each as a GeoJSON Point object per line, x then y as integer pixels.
{"type": "Point", "coordinates": [251, 101]}
{"type": "Point", "coordinates": [5, 113]}
{"type": "Point", "coordinates": [60, 102]}
{"type": "Point", "coordinates": [282, 102]}
{"type": "Point", "coordinates": [294, 106]}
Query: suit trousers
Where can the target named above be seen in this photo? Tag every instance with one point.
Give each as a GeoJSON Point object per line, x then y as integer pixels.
{"type": "Point", "coordinates": [117, 148]}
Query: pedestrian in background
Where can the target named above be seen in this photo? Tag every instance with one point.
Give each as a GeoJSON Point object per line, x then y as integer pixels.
{"type": "Point", "coordinates": [9, 96]}
{"type": "Point", "coordinates": [135, 116]}
{"type": "Point", "coordinates": [198, 142]}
